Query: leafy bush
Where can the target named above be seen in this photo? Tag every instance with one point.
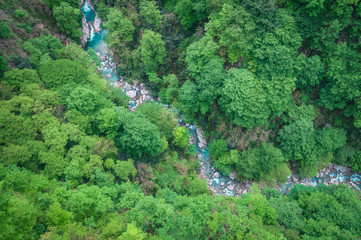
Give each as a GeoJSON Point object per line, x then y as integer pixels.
{"type": "Point", "coordinates": [60, 72]}
{"type": "Point", "coordinates": [5, 31]}
{"type": "Point", "coordinates": [20, 13]}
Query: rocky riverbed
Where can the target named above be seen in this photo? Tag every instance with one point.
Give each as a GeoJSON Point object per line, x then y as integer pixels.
{"type": "Point", "coordinates": [229, 186]}
{"type": "Point", "coordinates": [217, 183]}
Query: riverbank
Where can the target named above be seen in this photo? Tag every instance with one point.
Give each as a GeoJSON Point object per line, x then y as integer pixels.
{"type": "Point", "coordinates": [218, 184]}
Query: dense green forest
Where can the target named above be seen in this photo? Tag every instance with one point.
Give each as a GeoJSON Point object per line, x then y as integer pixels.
{"type": "Point", "coordinates": [274, 85]}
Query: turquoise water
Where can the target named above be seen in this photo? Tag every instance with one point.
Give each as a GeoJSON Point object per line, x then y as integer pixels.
{"type": "Point", "coordinates": [97, 42]}
{"type": "Point", "coordinates": [88, 12]}
{"type": "Point", "coordinates": [217, 183]}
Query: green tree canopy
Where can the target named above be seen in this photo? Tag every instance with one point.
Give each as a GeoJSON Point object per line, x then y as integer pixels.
{"type": "Point", "coordinates": [68, 19]}
{"type": "Point", "coordinates": [152, 50]}
{"type": "Point", "coordinates": [57, 73]}
{"type": "Point", "coordinates": [243, 99]}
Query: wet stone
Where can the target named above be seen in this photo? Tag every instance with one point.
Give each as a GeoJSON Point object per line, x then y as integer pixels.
{"type": "Point", "coordinates": [233, 175]}
{"type": "Point", "coordinates": [216, 175]}
{"type": "Point", "coordinates": [131, 93]}
{"type": "Point", "coordinates": [230, 187]}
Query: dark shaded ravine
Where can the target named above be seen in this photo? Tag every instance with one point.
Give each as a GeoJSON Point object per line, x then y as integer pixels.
{"type": "Point", "coordinates": [217, 183]}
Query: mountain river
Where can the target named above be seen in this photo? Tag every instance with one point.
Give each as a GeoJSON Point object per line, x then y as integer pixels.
{"type": "Point", "coordinates": [217, 183]}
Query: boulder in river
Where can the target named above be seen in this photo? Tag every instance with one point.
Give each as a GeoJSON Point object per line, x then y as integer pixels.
{"type": "Point", "coordinates": [233, 175]}
{"type": "Point", "coordinates": [127, 86]}
{"type": "Point", "coordinates": [216, 175]}
{"type": "Point", "coordinates": [131, 93]}
{"type": "Point", "coordinates": [230, 187]}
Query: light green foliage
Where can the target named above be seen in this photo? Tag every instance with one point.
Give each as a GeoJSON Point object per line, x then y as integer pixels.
{"type": "Point", "coordinates": [311, 71]}
{"type": "Point", "coordinates": [199, 54]}
{"type": "Point", "coordinates": [42, 49]}
{"type": "Point", "coordinates": [3, 64]}
{"type": "Point", "coordinates": [114, 227]}
{"type": "Point", "coordinates": [188, 99]}
{"type": "Point", "coordinates": [152, 50]}
{"type": "Point", "coordinates": [107, 121]}
{"type": "Point", "coordinates": [180, 137]}
{"type": "Point", "coordinates": [209, 83]}
{"type": "Point", "coordinates": [75, 53]}
{"type": "Point", "coordinates": [259, 206]}
{"type": "Point", "coordinates": [321, 208]}
{"type": "Point", "coordinates": [68, 19]}
{"type": "Point", "coordinates": [56, 216]}
{"type": "Point", "coordinates": [20, 13]}
{"type": "Point", "coordinates": [218, 148]}
{"type": "Point", "coordinates": [139, 136]}
{"type": "Point", "coordinates": [289, 213]}
{"type": "Point", "coordinates": [301, 142]}
{"type": "Point", "coordinates": [132, 233]}
{"type": "Point", "coordinates": [243, 100]}
{"type": "Point", "coordinates": [355, 161]}
{"type": "Point", "coordinates": [118, 25]}
{"type": "Point", "coordinates": [19, 219]}
{"type": "Point", "coordinates": [225, 164]}
{"type": "Point", "coordinates": [257, 162]}
{"type": "Point", "coordinates": [159, 116]}
{"type": "Point", "coordinates": [86, 100]}
{"type": "Point", "coordinates": [83, 100]}
{"type": "Point", "coordinates": [17, 77]}
{"type": "Point", "coordinates": [170, 89]}
{"type": "Point", "coordinates": [121, 29]}
{"type": "Point", "coordinates": [54, 3]}
{"type": "Point", "coordinates": [5, 31]}
{"type": "Point", "coordinates": [150, 12]}
{"type": "Point", "coordinates": [118, 97]}
{"type": "Point", "coordinates": [298, 139]}
{"type": "Point", "coordinates": [294, 112]}
{"type": "Point", "coordinates": [236, 30]}
{"type": "Point", "coordinates": [151, 213]}
{"type": "Point", "coordinates": [58, 73]}
{"type": "Point", "coordinates": [198, 186]}
{"type": "Point", "coordinates": [279, 95]}
{"type": "Point", "coordinates": [343, 73]}
{"type": "Point", "coordinates": [15, 154]}
{"type": "Point", "coordinates": [65, 133]}
{"type": "Point", "coordinates": [125, 170]}
{"type": "Point", "coordinates": [94, 163]}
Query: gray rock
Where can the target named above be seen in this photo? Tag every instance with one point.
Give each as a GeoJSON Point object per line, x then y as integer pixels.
{"type": "Point", "coordinates": [244, 191]}
{"type": "Point", "coordinates": [340, 168]}
{"type": "Point", "coordinates": [216, 175]}
{"type": "Point", "coordinates": [233, 175]}
{"type": "Point", "coordinates": [108, 75]}
{"type": "Point", "coordinates": [131, 93]}
{"type": "Point", "coordinates": [144, 92]}
{"type": "Point", "coordinates": [230, 187]}
{"type": "Point", "coordinates": [127, 86]}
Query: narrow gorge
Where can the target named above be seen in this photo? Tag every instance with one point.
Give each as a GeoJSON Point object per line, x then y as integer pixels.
{"type": "Point", "coordinates": [94, 37]}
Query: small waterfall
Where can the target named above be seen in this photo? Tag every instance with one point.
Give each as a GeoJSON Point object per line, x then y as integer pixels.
{"type": "Point", "coordinates": [92, 33]}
